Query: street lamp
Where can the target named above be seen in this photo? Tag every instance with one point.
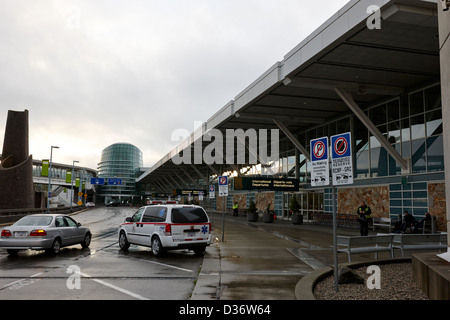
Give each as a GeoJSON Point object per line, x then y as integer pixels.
{"type": "Point", "coordinates": [71, 183]}
{"type": "Point", "coordinates": [50, 178]}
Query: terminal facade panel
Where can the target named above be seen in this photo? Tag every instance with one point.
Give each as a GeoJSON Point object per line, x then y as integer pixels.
{"type": "Point", "coordinates": [383, 85]}
{"type": "Point", "coordinates": [412, 123]}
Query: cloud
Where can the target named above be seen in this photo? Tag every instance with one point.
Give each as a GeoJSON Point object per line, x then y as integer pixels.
{"type": "Point", "coordinates": [93, 73]}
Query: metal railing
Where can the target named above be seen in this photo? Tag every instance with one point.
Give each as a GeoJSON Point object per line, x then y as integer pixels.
{"type": "Point", "coordinates": [12, 215]}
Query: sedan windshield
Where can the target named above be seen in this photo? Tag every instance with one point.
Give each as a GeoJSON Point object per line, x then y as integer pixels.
{"type": "Point", "coordinates": [34, 221]}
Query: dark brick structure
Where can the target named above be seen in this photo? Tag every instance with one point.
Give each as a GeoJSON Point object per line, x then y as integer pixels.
{"type": "Point", "coordinates": [16, 167]}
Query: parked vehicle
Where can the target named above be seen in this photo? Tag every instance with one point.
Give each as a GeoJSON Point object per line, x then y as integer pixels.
{"type": "Point", "coordinates": [49, 232]}
{"type": "Point", "coordinates": [167, 227]}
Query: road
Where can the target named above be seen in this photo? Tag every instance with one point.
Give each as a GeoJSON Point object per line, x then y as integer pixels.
{"type": "Point", "coordinates": [100, 272]}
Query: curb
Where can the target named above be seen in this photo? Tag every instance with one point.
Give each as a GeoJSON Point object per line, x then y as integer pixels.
{"type": "Point", "coordinates": [208, 284]}
{"type": "Point", "coordinates": [304, 289]}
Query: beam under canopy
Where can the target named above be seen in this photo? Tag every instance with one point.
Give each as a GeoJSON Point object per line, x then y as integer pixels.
{"type": "Point", "coordinates": [350, 102]}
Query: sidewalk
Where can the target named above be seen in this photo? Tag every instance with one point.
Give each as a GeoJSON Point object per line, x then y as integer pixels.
{"type": "Point", "coordinates": [264, 261]}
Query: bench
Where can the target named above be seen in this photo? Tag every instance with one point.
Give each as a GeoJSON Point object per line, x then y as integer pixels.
{"type": "Point", "coordinates": [365, 244]}
{"type": "Point", "coordinates": [435, 241]}
{"type": "Point", "coordinates": [382, 222]}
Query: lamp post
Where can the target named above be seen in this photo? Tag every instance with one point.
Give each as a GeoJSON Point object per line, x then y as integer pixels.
{"type": "Point", "coordinates": [50, 178]}
{"type": "Point", "coordinates": [71, 183]}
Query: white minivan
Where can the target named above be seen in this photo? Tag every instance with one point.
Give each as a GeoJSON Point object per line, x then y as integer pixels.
{"type": "Point", "coordinates": [167, 227]}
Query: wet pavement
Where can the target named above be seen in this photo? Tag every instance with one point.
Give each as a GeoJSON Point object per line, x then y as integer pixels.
{"type": "Point", "coordinates": [265, 261]}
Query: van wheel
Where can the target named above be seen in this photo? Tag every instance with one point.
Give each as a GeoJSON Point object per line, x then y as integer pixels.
{"type": "Point", "coordinates": [200, 251]}
{"type": "Point", "coordinates": [123, 241]}
{"type": "Point", "coordinates": [157, 248]}
{"type": "Point", "coordinates": [12, 252]}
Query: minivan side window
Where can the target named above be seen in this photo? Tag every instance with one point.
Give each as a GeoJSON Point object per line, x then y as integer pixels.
{"type": "Point", "coordinates": [137, 216]}
{"type": "Point", "coordinates": [154, 214]}
{"type": "Point", "coordinates": [189, 215]}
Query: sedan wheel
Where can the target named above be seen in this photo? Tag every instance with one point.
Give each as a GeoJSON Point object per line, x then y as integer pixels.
{"type": "Point", "coordinates": [55, 248]}
{"type": "Point", "coordinates": [87, 240]}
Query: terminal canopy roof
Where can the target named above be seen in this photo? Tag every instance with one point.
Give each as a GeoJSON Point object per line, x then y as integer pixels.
{"type": "Point", "coordinates": [345, 66]}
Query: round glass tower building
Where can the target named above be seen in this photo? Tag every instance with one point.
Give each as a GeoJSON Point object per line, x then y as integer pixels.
{"type": "Point", "coordinates": [119, 161]}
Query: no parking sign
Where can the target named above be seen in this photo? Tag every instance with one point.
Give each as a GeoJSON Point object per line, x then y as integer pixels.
{"type": "Point", "coordinates": [341, 159]}
{"type": "Point", "coordinates": [212, 192]}
{"type": "Point", "coordinates": [320, 173]}
{"type": "Point", "coordinates": [223, 186]}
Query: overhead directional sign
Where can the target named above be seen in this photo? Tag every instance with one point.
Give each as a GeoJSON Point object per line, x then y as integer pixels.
{"type": "Point", "coordinates": [223, 186]}
{"type": "Point", "coordinates": [97, 181]}
{"type": "Point", "coordinates": [341, 159]}
{"type": "Point", "coordinates": [320, 172]}
{"type": "Point", "coordinates": [275, 184]}
{"type": "Point", "coordinates": [114, 181]}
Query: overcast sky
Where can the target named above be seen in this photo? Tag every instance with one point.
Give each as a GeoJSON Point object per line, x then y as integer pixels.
{"type": "Point", "coordinates": [96, 72]}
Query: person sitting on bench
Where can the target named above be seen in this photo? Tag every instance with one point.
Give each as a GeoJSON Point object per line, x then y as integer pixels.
{"type": "Point", "coordinates": [408, 222]}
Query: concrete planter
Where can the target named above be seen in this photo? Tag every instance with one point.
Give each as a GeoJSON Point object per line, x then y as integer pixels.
{"type": "Point", "coordinates": [252, 216]}
{"type": "Point", "coordinates": [297, 219]}
{"type": "Point", "coordinates": [268, 217]}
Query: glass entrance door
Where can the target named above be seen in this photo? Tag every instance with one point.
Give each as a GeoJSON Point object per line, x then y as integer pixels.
{"type": "Point", "coordinates": [311, 202]}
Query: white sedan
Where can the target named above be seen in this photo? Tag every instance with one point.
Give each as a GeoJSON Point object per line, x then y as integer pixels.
{"type": "Point", "coordinates": [49, 232]}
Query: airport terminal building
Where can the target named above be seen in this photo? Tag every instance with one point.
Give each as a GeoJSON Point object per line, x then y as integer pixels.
{"type": "Point", "coordinates": [376, 70]}
{"type": "Point", "coordinates": [121, 161]}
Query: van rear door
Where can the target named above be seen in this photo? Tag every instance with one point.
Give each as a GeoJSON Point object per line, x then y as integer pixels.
{"type": "Point", "coordinates": [190, 223]}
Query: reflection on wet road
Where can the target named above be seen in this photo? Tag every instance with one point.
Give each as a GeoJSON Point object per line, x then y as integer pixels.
{"type": "Point", "coordinates": [105, 271]}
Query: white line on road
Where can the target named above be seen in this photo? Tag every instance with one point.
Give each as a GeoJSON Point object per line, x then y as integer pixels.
{"type": "Point", "coordinates": [167, 265]}
{"type": "Point", "coordinates": [127, 292]}
{"type": "Point", "coordinates": [20, 280]}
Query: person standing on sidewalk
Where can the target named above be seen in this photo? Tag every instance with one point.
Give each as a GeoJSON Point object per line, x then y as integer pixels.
{"type": "Point", "coordinates": [364, 214]}
{"type": "Point", "coordinates": [235, 209]}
